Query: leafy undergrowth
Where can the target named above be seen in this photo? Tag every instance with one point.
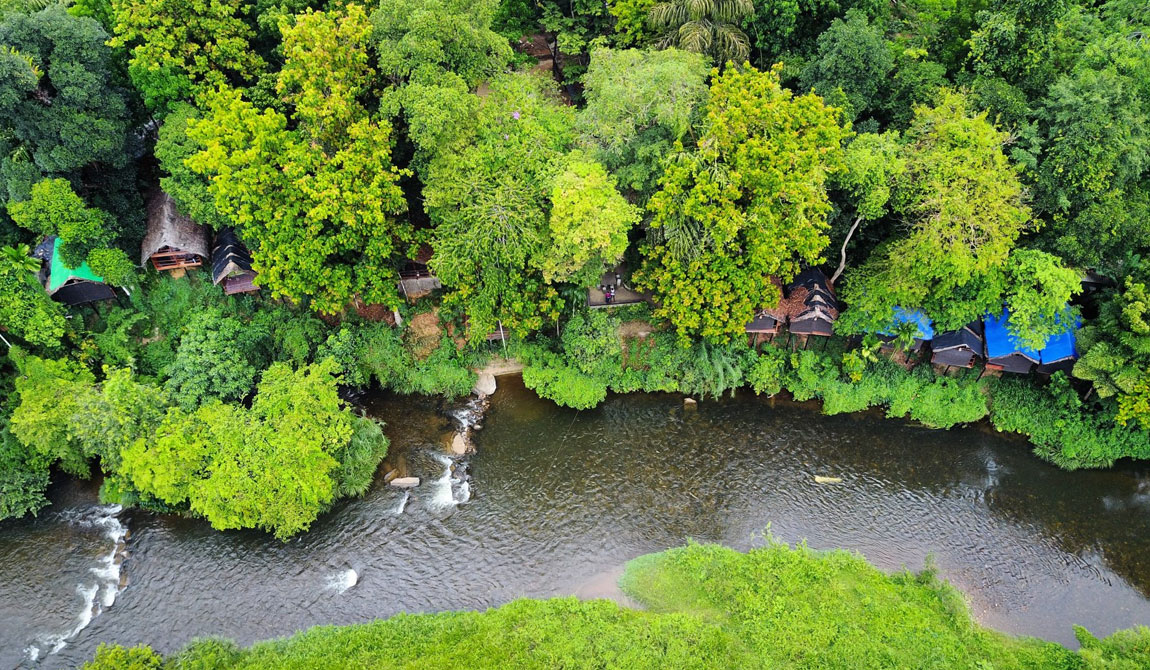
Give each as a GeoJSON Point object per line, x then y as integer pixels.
{"type": "Point", "coordinates": [707, 607]}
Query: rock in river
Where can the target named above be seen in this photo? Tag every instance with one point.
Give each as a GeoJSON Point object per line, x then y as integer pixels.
{"type": "Point", "coordinates": [405, 482]}
{"type": "Point", "coordinates": [484, 385]}
{"type": "Point", "coordinates": [459, 444]}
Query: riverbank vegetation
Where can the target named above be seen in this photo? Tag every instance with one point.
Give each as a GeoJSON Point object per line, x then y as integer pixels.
{"type": "Point", "coordinates": [706, 606]}
{"type": "Point", "coordinates": [953, 159]}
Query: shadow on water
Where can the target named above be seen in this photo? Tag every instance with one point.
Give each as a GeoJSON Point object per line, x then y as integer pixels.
{"type": "Point", "coordinates": [558, 500]}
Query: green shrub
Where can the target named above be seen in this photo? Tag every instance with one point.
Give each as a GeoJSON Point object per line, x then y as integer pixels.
{"type": "Point", "coordinates": [124, 658]}
{"type": "Point", "coordinates": [565, 385]}
{"type": "Point", "coordinates": [768, 372]}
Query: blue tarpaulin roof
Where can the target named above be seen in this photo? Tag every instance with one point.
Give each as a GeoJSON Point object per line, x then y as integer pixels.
{"type": "Point", "coordinates": [915, 316]}
{"type": "Point", "coordinates": [999, 341]}
{"type": "Point", "coordinates": [1061, 347]}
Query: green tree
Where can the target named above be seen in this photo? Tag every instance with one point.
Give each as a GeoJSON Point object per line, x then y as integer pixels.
{"type": "Point", "coordinates": [191, 191]}
{"type": "Point", "coordinates": [179, 49]}
{"type": "Point", "coordinates": [874, 163]}
{"type": "Point", "coordinates": [639, 103]}
{"type": "Point", "coordinates": [273, 467]}
{"type": "Point", "coordinates": [25, 309]}
{"type": "Point", "coordinates": [51, 395]}
{"type": "Point", "coordinates": [316, 204]}
{"type": "Point", "coordinates": [24, 477]}
{"type": "Point", "coordinates": [113, 265]}
{"type": "Point", "coordinates": [1115, 349]}
{"type": "Point", "coordinates": [749, 204]}
{"type": "Point", "coordinates": [710, 27]}
{"type": "Point", "coordinates": [964, 202]}
{"type": "Point", "coordinates": [489, 201]}
{"type": "Point", "coordinates": [211, 362]}
{"type": "Point", "coordinates": [853, 63]}
{"type": "Point", "coordinates": [588, 225]}
{"type": "Point", "coordinates": [63, 114]}
{"type": "Point", "coordinates": [53, 208]}
{"type": "Point", "coordinates": [421, 40]}
{"type": "Point", "coordinates": [1039, 289]}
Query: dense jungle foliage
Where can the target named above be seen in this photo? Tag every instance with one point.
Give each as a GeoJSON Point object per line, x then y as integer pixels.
{"type": "Point", "coordinates": [706, 607]}
{"type": "Point", "coordinates": [946, 156]}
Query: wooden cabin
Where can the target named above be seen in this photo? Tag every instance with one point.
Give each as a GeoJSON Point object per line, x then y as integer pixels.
{"type": "Point", "coordinates": [959, 348]}
{"type": "Point", "coordinates": [75, 286]}
{"type": "Point", "coordinates": [813, 301]}
{"type": "Point", "coordinates": [232, 264]}
{"type": "Point", "coordinates": [1003, 352]}
{"type": "Point", "coordinates": [612, 292]}
{"type": "Point", "coordinates": [765, 322]}
{"type": "Point", "coordinates": [173, 241]}
{"type": "Point", "coordinates": [924, 329]}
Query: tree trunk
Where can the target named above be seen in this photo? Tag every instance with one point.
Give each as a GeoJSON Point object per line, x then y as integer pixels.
{"type": "Point", "coordinates": [843, 253]}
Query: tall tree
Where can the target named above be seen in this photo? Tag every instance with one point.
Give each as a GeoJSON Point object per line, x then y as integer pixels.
{"type": "Point", "coordinates": [749, 204]}
{"type": "Point", "coordinates": [852, 64]}
{"type": "Point", "coordinates": [53, 208]}
{"type": "Point", "coordinates": [318, 204]}
{"type": "Point", "coordinates": [489, 200]}
{"type": "Point", "coordinates": [964, 201]}
{"type": "Point", "coordinates": [421, 40]}
{"type": "Point", "coordinates": [25, 309]}
{"type": "Point", "coordinates": [709, 27]}
{"type": "Point", "coordinates": [180, 48]}
{"type": "Point", "coordinates": [639, 103]}
{"type": "Point", "coordinates": [62, 113]}
{"type": "Point", "coordinates": [588, 224]}
{"type": "Point", "coordinates": [874, 163]}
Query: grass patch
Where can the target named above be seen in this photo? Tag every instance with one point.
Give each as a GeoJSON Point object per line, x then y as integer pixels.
{"type": "Point", "coordinates": [707, 607]}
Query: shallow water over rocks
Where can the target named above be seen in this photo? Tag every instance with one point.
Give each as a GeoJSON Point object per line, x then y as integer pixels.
{"type": "Point", "coordinates": [553, 501]}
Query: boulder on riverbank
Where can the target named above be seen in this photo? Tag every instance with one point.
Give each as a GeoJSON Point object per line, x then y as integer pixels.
{"type": "Point", "coordinates": [485, 385]}
{"type": "Point", "coordinates": [405, 482]}
{"type": "Point", "coordinates": [690, 403]}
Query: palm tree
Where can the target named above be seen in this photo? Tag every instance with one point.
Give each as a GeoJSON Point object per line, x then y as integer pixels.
{"type": "Point", "coordinates": [20, 257]}
{"type": "Point", "coordinates": [704, 26]}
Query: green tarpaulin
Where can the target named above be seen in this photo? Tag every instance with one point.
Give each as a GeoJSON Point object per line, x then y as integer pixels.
{"type": "Point", "coordinates": [61, 274]}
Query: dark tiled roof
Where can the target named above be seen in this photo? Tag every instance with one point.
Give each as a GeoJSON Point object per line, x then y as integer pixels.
{"type": "Point", "coordinates": [229, 256]}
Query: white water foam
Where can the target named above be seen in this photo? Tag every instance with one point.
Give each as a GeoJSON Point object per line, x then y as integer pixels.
{"type": "Point", "coordinates": [402, 503]}
{"type": "Point", "coordinates": [343, 581]}
{"type": "Point", "coordinates": [444, 496]}
{"type": "Point", "coordinates": [100, 593]}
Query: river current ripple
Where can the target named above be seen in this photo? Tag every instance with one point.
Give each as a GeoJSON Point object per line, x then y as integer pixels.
{"type": "Point", "coordinates": [555, 501]}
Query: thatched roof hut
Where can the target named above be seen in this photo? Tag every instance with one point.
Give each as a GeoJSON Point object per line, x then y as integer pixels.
{"type": "Point", "coordinates": [173, 240]}
{"type": "Point", "coordinates": [232, 264]}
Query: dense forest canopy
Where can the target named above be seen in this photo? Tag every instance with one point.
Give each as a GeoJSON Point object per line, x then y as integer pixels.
{"type": "Point", "coordinates": [955, 159]}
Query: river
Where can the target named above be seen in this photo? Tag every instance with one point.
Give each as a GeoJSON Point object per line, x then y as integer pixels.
{"type": "Point", "coordinates": [557, 500]}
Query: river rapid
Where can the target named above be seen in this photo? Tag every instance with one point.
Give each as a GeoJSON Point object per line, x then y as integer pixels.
{"type": "Point", "coordinates": [554, 501]}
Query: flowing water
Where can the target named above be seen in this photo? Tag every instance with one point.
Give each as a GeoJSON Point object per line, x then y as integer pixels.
{"type": "Point", "coordinates": [555, 501]}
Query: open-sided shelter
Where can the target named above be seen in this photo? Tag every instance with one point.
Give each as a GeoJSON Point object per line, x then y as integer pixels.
{"type": "Point", "coordinates": [958, 348]}
{"type": "Point", "coordinates": [173, 240]}
{"type": "Point", "coordinates": [75, 286]}
{"type": "Point", "coordinates": [232, 264]}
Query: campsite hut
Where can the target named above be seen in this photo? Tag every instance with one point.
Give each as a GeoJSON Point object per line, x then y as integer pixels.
{"type": "Point", "coordinates": [75, 286]}
{"type": "Point", "coordinates": [812, 303]}
{"type": "Point", "coordinates": [768, 321]}
{"type": "Point", "coordinates": [924, 329]}
{"type": "Point", "coordinates": [1003, 351]}
{"type": "Point", "coordinates": [232, 264]}
{"type": "Point", "coordinates": [959, 348]}
{"type": "Point", "coordinates": [416, 278]}
{"type": "Point", "coordinates": [1059, 353]}
{"type": "Point", "coordinates": [612, 292]}
{"type": "Point", "coordinates": [173, 241]}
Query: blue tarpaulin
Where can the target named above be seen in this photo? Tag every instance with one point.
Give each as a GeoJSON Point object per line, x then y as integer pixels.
{"type": "Point", "coordinates": [1061, 347]}
{"type": "Point", "coordinates": [922, 321]}
{"type": "Point", "coordinates": [999, 341]}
